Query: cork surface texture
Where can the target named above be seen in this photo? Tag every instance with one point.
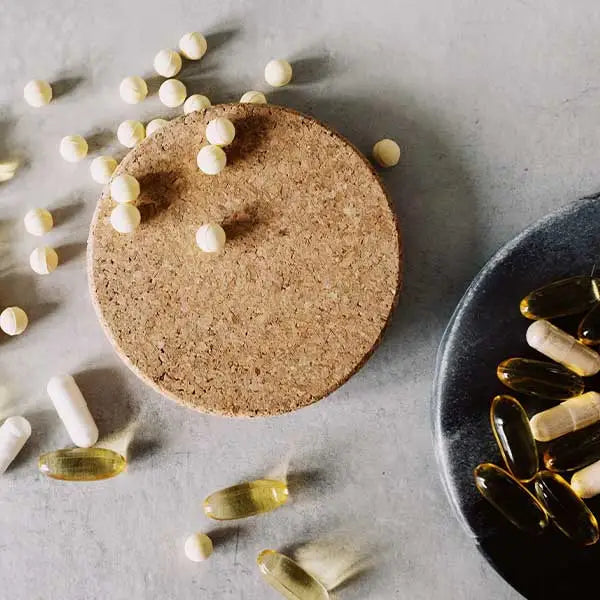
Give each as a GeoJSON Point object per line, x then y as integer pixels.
{"type": "Point", "coordinates": [296, 302]}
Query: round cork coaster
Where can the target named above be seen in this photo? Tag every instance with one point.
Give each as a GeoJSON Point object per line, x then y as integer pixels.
{"type": "Point", "coordinates": [296, 302]}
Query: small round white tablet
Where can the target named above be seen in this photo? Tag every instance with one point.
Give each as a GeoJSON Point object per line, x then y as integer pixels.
{"type": "Point", "coordinates": [73, 148]}
{"type": "Point", "coordinates": [102, 168]}
{"type": "Point", "coordinates": [38, 221]}
{"type": "Point", "coordinates": [13, 320]}
{"type": "Point", "coordinates": [198, 547]}
{"type": "Point", "coordinates": [43, 260]}
{"type": "Point", "coordinates": [193, 45]}
{"type": "Point", "coordinates": [253, 97]}
{"type": "Point", "coordinates": [195, 102]}
{"type": "Point", "coordinates": [14, 432]}
{"type": "Point", "coordinates": [37, 93]}
{"type": "Point", "coordinates": [133, 89]}
{"type": "Point", "coordinates": [125, 218]}
{"type": "Point", "coordinates": [211, 160]}
{"type": "Point", "coordinates": [278, 72]}
{"type": "Point", "coordinates": [155, 125]}
{"type": "Point", "coordinates": [167, 63]}
{"type": "Point", "coordinates": [220, 131]}
{"type": "Point", "coordinates": [124, 188]}
{"type": "Point", "coordinates": [211, 238]}
{"type": "Point", "coordinates": [386, 152]}
{"type": "Point", "coordinates": [130, 133]}
{"type": "Point", "coordinates": [172, 93]}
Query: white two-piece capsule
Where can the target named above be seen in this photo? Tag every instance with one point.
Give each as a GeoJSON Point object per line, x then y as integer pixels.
{"type": "Point", "coordinates": [570, 415]}
{"type": "Point", "coordinates": [563, 348]}
{"type": "Point", "coordinates": [586, 482]}
{"type": "Point", "coordinates": [15, 431]}
{"type": "Point", "coordinates": [73, 410]}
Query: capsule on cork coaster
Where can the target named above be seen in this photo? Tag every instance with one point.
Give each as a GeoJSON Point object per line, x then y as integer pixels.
{"type": "Point", "coordinates": [298, 297]}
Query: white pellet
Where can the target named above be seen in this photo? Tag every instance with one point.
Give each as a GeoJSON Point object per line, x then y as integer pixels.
{"type": "Point", "coordinates": [14, 432]}
{"type": "Point", "coordinates": [198, 547]}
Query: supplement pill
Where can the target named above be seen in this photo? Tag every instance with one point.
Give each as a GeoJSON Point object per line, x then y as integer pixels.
{"type": "Point", "coordinates": [568, 512]}
{"type": "Point", "coordinates": [195, 102]}
{"type": "Point", "coordinates": [13, 320]}
{"type": "Point", "coordinates": [155, 125]}
{"type": "Point", "coordinates": [198, 547]}
{"type": "Point", "coordinates": [193, 45]}
{"type": "Point", "coordinates": [220, 131]}
{"type": "Point", "coordinates": [574, 450]}
{"type": "Point", "coordinates": [38, 221]}
{"type": "Point", "coordinates": [73, 410]}
{"type": "Point", "coordinates": [246, 499]}
{"type": "Point", "coordinates": [130, 133]}
{"type": "Point", "coordinates": [167, 63]}
{"type": "Point", "coordinates": [561, 298]}
{"type": "Point", "coordinates": [586, 483]}
{"type": "Point", "coordinates": [172, 93]}
{"type": "Point", "coordinates": [102, 168]}
{"type": "Point", "coordinates": [43, 260]}
{"type": "Point", "coordinates": [253, 97]}
{"type": "Point", "coordinates": [211, 160]}
{"type": "Point", "coordinates": [588, 331]}
{"type": "Point", "coordinates": [37, 93]}
{"type": "Point", "coordinates": [73, 148]}
{"type": "Point", "coordinates": [510, 498]}
{"type": "Point", "coordinates": [278, 72]}
{"type": "Point", "coordinates": [539, 378]}
{"type": "Point", "coordinates": [125, 218]}
{"type": "Point", "coordinates": [386, 153]}
{"type": "Point", "coordinates": [14, 432]}
{"type": "Point", "coordinates": [211, 238]}
{"type": "Point", "coordinates": [563, 348]}
{"type": "Point", "coordinates": [82, 464]}
{"type": "Point", "coordinates": [570, 415]}
{"type": "Point", "coordinates": [133, 89]}
{"type": "Point", "coordinates": [289, 578]}
{"type": "Point", "coordinates": [513, 435]}
{"type": "Point", "coordinates": [124, 188]}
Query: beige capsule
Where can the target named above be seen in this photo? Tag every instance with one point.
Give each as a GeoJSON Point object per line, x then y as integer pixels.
{"type": "Point", "coordinates": [586, 482]}
{"type": "Point", "coordinates": [563, 348]}
{"type": "Point", "coordinates": [570, 415]}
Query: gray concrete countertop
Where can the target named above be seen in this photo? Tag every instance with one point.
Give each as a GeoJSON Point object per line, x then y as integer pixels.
{"type": "Point", "coordinates": [495, 106]}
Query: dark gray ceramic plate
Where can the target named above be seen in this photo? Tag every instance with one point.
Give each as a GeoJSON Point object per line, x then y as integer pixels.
{"type": "Point", "coordinates": [486, 328]}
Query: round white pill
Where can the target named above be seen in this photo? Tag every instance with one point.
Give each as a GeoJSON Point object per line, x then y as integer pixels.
{"type": "Point", "coordinates": [220, 131]}
{"type": "Point", "coordinates": [172, 93]}
{"type": "Point", "coordinates": [386, 153]}
{"type": "Point", "coordinates": [195, 102]}
{"type": "Point", "coordinates": [102, 168]}
{"type": "Point", "coordinates": [43, 260]}
{"type": "Point", "coordinates": [73, 148]}
{"type": "Point", "coordinates": [37, 93]}
{"type": "Point", "coordinates": [38, 221]}
{"type": "Point", "coordinates": [124, 188]}
{"type": "Point", "coordinates": [193, 45]}
{"type": "Point", "coordinates": [278, 72]}
{"type": "Point", "coordinates": [253, 97]}
{"type": "Point", "coordinates": [125, 218]}
{"type": "Point", "coordinates": [133, 89]}
{"type": "Point", "coordinates": [211, 238]}
{"type": "Point", "coordinates": [155, 125]}
{"type": "Point", "coordinates": [211, 160]}
{"type": "Point", "coordinates": [198, 547]}
{"type": "Point", "coordinates": [73, 410]}
{"type": "Point", "coordinates": [130, 133]}
{"type": "Point", "coordinates": [14, 432]}
{"type": "Point", "coordinates": [167, 63]}
{"type": "Point", "coordinates": [13, 320]}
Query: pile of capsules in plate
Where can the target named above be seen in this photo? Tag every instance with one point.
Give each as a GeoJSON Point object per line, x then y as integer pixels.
{"type": "Point", "coordinates": [570, 430]}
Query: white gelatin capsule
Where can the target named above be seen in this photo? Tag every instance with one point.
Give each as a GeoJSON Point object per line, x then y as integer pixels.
{"type": "Point", "coordinates": [563, 348]}
{"type": "Point", "coordinates": [586, 483]}
{"type": "Point", "coordinates": [570, 415]}
{"type": "Point", "coordinates": [15, 431]}
{"type": "Point", "coordinates": [73, 410]}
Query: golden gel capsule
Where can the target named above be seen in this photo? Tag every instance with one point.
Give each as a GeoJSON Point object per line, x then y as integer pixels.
{"type": "Point", "coordinates": [586, 483]}
{"type": "Point", "coordinates": [561, 298]}
{"type": "Point", "coordinates": [246, 499]}
{"type": "Point", "coordinates": [513, 435]}
{"type": "Point", "coordinates": [81, 464]}
{"type": "Point", "coordinates": [574, 450]}
{"type": "Point", "coordinates": [563, 348]}
{"type": "Point", "coordinates": [511, 498]}
{"type": "Point", "coordinates": [539, 378]}
{"type": "Point", "coordinates": [570, 415]}
{"type": "Point", "coordinates": [568, 512]}
{"type": "Point", "coordinates": [588, 331]}
{"type": "Point", "coordinates": [289, 578]}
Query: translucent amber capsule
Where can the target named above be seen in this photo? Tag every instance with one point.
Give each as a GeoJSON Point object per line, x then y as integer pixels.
{"type": "Point", "coordinates": [570, 415]}
{"type": "Point", "coordinates": [589, 328]}
{"type": "Point", "coordinates": [511, 498]}
{"type": "Point", "coordinates": [568, 512]}
{"type": "Point", "coordinates": [246, 499]}
{"type": "Point", "coordinates": [574, 451]}
{"type": "Point", "coordinates": [539, 378]}
{"type": "Point", "coordinates": [82, 464]}
{"type": "Point", "coordinates": [289, 578]}
{"type": "Point", "coordinates": [513, 434]}
{"type": "Point", "coordinates": [561, 298]}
